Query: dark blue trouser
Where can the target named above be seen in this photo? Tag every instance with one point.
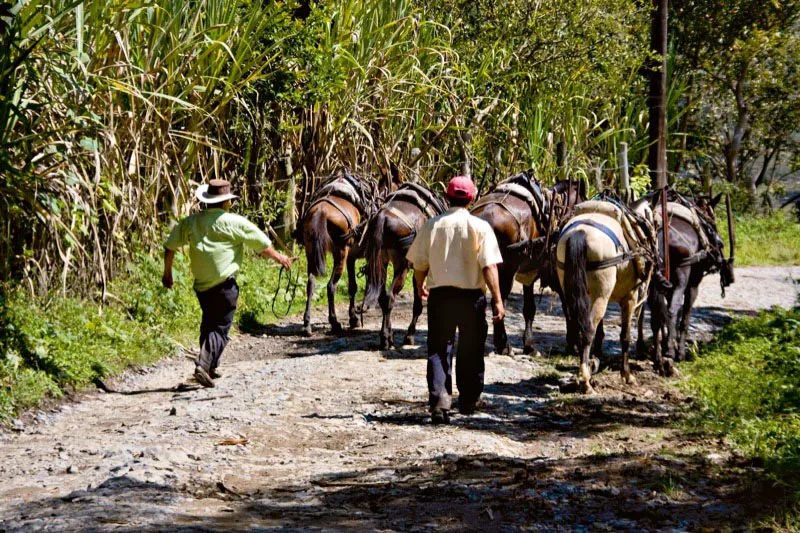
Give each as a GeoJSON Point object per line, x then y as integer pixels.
{"type": "Point", "coordinates": [219, 305]}
{"type": "Point", "coordinates": [451, 308]}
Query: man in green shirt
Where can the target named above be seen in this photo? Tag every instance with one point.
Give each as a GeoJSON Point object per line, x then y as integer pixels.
{"type": "Point", "coordinates": [216, 240]}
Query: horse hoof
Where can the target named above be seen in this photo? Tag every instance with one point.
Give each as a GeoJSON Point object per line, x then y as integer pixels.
{"type": "Point", "coordinates": [585, 388]}
{"type": "Point", "coordinates": [336, 329]}
{"type": "Point", "coordinates": [307, 331]}
{"type": "Point", "coordinates": [628, 379]}
{"type": "Point", "coordinates": [354, 323]}
{"type": "Point", "coordinates": [531, 350]}
{"type": "Point", "coordinates": [595, 362]}
{"type": "Point", "coordinates": [669, 368]}
{"type": "Point", "coordinates": [408, 340]}
{"type": "Point", "coordinates": [503, 350]}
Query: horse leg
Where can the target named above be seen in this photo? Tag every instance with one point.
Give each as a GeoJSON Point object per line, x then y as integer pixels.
{"type": "Point", "coordinates": [352, 289]}
{"type": "Point", "coordinates": [416, 312]}
{"type": "Point", "coordinates": [627, 307]}
{"type": "Point", "coordinates": [501, 344]}
{"type": "Point", "coordinates": [598, 311]}
{"type": "Point", "coordinates": [339, 259]}
{"type": "Point", "coordinates": [400, 274]}
{"type": "Point", "coordinates": [675, 303]}
{"type": "Point", "coordinates": [641, 345]}
{"type": "Point", "coordinates": [529, 311]}
{"type": "Point", "coordinates": [310, 286]}
{"type": "Point", "coordinates": [658, 309]}
{"type": "Point", "coordinates": [597, 346]}
{"type": "Point", "coordinates": [688, 304]}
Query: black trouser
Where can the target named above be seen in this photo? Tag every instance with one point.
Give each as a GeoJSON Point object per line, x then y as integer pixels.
{"type": "Point", "coordinates": [450, 308]}
{"type": "Point", "coordinates": [219, 305]}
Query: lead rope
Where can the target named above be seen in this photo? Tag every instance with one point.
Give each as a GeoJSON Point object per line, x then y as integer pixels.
{"type": "Point", "coordinates": [290, 285]}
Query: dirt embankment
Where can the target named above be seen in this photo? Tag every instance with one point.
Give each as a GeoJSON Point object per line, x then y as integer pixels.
{"type": "Point", "coordinates": [329, 433]}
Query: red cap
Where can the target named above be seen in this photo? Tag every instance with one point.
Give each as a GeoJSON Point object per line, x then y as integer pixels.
{"type": "Point", "coordinates": [461, 187]}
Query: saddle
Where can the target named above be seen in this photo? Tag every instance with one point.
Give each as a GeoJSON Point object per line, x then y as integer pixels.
{"type": "Point", "coordinates": [639, 233]}
{"type": "Point", "coordinates": [420, 196]}
{"type": "Point", "coordinates": [348, 187]}
{"type": "Point", "coordinates": [689, 216]}
{"type": "Point", "coordinates": [343, 186]}
{"type": "Point", "coordinates": [524, 187]}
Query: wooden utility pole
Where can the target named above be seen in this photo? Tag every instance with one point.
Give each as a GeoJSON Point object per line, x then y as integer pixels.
{"type": "Point", "coordinates": [657, 160]}
{"type": "Point", "coordinates": [622, 162]}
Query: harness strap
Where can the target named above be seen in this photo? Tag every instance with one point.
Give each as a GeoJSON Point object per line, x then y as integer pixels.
{"type": "Point", "coordinates": [694, 258]}
{"type": "Point", "coordinates": [487, 201]}
{"type": "Point", "coordinates": [329, 199]}
{"type": "Point", "coordinates": [605, 229]}
{"type": "Point", "coordinates": [408, 239]}
{"type": "Point", "coordinates": [605, 263]}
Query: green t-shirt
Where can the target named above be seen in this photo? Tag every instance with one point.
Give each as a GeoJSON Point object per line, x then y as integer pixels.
{"type": "Point", "coordinates": [216, 241]}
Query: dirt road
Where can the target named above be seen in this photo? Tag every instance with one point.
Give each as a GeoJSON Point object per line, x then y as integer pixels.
{"type": "Point", "coordinates": [329, 433]}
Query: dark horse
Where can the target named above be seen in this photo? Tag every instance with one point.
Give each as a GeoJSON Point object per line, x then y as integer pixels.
{"type": "Point", "coordinates": [333, 222]}
{"type": "Point", "coordinates": [692, 256]}
{"type": "Point", "coordinates": [518, 210]}
{"type": "Point", "coordinates": [389, 236]}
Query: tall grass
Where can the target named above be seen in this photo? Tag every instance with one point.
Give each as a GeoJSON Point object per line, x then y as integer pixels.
{"type": "Point", "coordinates": [116, 109]}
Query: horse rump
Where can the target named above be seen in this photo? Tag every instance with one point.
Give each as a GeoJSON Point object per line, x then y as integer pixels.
{"type": "Point", "coordinates": [577, 305]}
{"type": "Point", "coordinates": [376, 263]}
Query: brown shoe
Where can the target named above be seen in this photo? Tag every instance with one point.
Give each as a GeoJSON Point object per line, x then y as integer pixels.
{"type": "Point", "coordinates": [202, 377]}
{"type": "Point", "coordinates": [215, 373]}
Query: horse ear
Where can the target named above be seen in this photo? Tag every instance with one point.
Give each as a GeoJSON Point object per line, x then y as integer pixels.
{"type": "Point", "coordinates": [396, 177]}
{"type": "Point", "coordinates": [715, 200]}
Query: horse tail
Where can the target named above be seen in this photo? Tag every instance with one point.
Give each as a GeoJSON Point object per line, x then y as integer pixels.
{"type": "Point", "coordinates": [576, 286]}
{"type": "Point", "coordinates": [318, 242]}
{"type": "Point", "coordinates": [376, 264]}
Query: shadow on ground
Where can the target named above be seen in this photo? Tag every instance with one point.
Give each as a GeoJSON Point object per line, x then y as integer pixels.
{"type": "Point", "coordinates": [474, 492]}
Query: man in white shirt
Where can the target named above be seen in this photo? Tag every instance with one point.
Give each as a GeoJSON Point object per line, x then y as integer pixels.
{"type": "Point", "coordinates": [458, 254]}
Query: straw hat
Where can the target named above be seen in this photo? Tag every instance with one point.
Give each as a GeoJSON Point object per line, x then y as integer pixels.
{"type": "Point", "coordinates": [214, 192]}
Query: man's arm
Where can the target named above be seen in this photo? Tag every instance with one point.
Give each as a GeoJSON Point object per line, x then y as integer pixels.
{"type": "Point", "coordinates": [419, 277]}
{"type": "Point", "coordinates": [169, 256]}
{"type": "Point", "coordinates": [284, 260]}
{"type": "Point", "coordinates": [493, 281]}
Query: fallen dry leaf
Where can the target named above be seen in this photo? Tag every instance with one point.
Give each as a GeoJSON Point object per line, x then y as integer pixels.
{"type": "Point", "coordinates": [232, 442]}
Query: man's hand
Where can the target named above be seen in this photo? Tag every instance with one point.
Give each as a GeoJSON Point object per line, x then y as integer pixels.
{"type": "Point", "coordinates": [492, 280]}
{"type": "Point", "coordinates": [284, 260]}
{"type": "Point", "coordinates": [422, 287]}
{"type": "Point", "coordinates": [166, 280]}
{"type": "Point", "coordinates": [424, 292]}
{"type": "Point", "coordinates": [498, 311]}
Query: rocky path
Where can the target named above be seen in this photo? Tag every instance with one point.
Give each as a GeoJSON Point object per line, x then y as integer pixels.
{"type": "Point", "coordinates": [329, 433]}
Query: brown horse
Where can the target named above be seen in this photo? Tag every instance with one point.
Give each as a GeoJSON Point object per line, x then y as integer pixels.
{"type": "Point", "coordinates": [334, 222]}
{"type": "Point", "coordinates": [691, 257]}
{"type": "Point", "coordinates": [517, 217]}
{"type": "Point", "coordinates": [389, 236]}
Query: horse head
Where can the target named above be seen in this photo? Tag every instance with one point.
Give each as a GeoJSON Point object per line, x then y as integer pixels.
{"type": "Point", "coordinates": [705, 207]}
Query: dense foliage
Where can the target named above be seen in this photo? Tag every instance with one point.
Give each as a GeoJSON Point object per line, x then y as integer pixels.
{"type": "Point", "coordinates": [747, 387]}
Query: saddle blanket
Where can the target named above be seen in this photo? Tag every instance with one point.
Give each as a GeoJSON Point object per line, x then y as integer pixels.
{"type": "Point", "coordinates": [521, 192]}
{"type": "Point", "coordinates": [687, 215]}
{"type": "Point", "coordinates": [343, 189]}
